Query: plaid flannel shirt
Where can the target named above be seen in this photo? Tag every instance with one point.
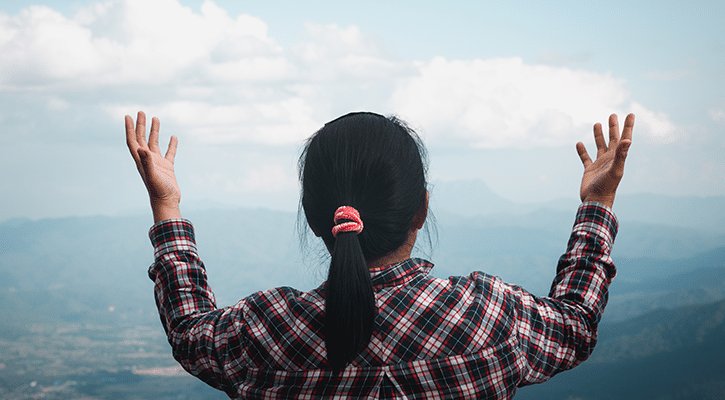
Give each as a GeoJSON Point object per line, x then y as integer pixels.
{"type": "Point", "coordinates": [463, 337]}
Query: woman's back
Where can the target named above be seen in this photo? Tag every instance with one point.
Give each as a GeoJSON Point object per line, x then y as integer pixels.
{"type": "Point", "coordinates": [380, 326]}
{"type": "Point", "coordinates": [463, 337]}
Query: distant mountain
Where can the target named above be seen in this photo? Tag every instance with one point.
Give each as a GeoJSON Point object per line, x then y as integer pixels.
{"type": "Point", "coordinates": [474, 197]}
{"type": "Point", "coordinates": [698, 286]}
{"type": "Point", "coordinates": [701, 213]}
{"type": "Point", "coordinates": [666, 354]}
{"type": "Point", "coordinates": [71, 266]}
{"type": "Point", "coordinates": [471, 197]}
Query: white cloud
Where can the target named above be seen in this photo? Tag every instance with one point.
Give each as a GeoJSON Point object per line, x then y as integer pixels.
{"type": "Point", "coordinates": [335, 53]}
{"type": "Point", "coordinates": [265, 177]}
{"type": "Point", "coordinates": [39, 45]}
{"type": "Point", "coordinates": [656, 125]}
{"type": "Point", "coordinates": [220, 79]}
{"type": "Point", "coordinates": [506, 103]}
{"type": "Point", "coordinates": [283, 121]}
{"type": "Point", "coordinates": [269, 177]}
{"type": "Point", "coordinates": [135, 41]}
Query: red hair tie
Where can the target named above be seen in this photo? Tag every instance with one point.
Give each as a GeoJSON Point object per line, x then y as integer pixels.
{"type": "Point", "coordinates": [353, 224]}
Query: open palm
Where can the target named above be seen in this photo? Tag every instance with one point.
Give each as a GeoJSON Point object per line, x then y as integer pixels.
{"type": "Point", "coordinates": [157, 171]}
{"type": "Point", "coordinates": [602, 176]}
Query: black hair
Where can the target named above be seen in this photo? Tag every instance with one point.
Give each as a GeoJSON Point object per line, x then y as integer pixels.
{"type": "Point", "coordinates": [377, 165]}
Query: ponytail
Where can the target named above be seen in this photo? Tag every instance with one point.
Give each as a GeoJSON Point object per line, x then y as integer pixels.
{"type": "Point", "coordinates": [349, 298]}
{"type": "Point", "coordinates": [376, 164]}
{"type": "Point", "coordinates": [350, 308]}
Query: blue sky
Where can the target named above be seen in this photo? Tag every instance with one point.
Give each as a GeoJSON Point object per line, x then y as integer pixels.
{"type": "Point", "coordinates": [500, 92]}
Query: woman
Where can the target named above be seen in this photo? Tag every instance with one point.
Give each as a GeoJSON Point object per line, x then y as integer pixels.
{"type": "Point", "coordinates": [379, 327]}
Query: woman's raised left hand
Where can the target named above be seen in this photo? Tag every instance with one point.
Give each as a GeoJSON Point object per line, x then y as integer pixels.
{"type": "Point", "coordinates": [157, 171]}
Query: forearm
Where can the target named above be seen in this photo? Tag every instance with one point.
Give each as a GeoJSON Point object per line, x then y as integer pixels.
{"type": "Point", "coordinates": [186, 303]}
{"type": "Point", "coordinates": [181, 286]}
{"type": "Point", "coordinates": [585, 271]}
{"type": "Point", "coordinates": [560, 331]}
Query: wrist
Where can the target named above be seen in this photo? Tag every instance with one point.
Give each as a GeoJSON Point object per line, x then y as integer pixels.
{"type": "Point", "coordinates": [164, 211]}
{"type": "Point", "coordinates": [607, 201]}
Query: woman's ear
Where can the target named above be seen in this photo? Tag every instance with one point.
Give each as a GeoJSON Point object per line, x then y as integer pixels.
{"type": "Point", "coordinates": [421, 214]}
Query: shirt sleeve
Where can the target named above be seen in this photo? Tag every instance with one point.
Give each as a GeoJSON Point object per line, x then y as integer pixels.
{"type": "Point", "coordinates": [558, 332]}
{"type": "Point", "coordinates": [195, 328]}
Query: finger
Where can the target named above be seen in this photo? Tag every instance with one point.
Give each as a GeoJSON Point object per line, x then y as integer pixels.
{"type": "Point", "coordinates": [599, 137]}
{"type": "Point", "coordinates": [628, 127]}
{"type": "Point", "coordinates": [620, 157]}
{"type": "Point", "coordinates": [147, 164]}
{"type": "Point", "coordinates": [141, 129]}
{"type": "Point", "coordinates": [154, 136]}
{"type": "Point", "coordinates": [613, 129]}
{"type": "Point", "coordinates": [130, 133]}
{"type": "Point", "coordinates": [131, 140]}
{"type": "Point", "coordinates": [171, 152]}
{"type": "Point", "coordinates": [583, 155]}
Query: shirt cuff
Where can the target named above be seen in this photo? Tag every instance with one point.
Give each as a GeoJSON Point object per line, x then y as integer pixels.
{"type": "Point", "coordinates": [599, 219]}
{"type": "Point", "coordinates": [169, 236]}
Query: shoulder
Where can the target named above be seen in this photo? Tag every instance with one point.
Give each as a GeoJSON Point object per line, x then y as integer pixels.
{"type": "Point", "coordinates": [490, 295]}
{"type": "Point", "coordinates": [481, 282]}
{"type": "Point", "coordinates": [474, 291]}
{"type": "Point", "coordinates": [283, 302]}
{"type": "Point", "coordinates": [283, 328]}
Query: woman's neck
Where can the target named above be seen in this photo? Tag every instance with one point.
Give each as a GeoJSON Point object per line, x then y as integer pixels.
{"type": "Point", "coordinates": [399, 255]}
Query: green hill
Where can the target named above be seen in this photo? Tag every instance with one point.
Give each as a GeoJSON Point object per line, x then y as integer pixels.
{"type": "Point", "coordinates": [666, 354]}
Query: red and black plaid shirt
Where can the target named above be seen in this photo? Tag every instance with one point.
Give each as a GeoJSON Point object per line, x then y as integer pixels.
{"type": "Point", "coordinates": [462, 337]}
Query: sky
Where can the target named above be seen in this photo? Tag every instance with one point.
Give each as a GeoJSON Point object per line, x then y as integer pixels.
{"type": "Point", "coordinates": [499, 92]}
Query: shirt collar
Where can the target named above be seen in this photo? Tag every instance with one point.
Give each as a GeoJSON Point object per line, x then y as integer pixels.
{"type": "Point", "coordinates": [400, 273]}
